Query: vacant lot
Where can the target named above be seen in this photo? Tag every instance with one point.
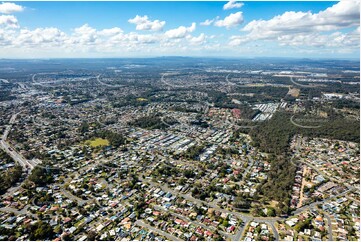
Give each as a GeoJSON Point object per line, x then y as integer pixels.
{"type": "Point", "coordinates": [97, 142]}
{"type": "Point", "coordinates": [294, 92]}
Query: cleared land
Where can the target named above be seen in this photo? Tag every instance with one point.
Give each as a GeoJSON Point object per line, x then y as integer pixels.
{"type": "Point", "coordinates": [97, 142]}
{"type": "Point", "coordinates": [294, 92]}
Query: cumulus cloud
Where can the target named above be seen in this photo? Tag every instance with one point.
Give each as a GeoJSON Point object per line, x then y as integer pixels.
{"type": "Point", "coordinates": [141, 38]}
{"type": "Point", "coordinates": [110, 32]}
{"type": "Point", "coordinates": [297, 28]}
{"type": "Point", "coordinates": [232, 4]}
{"type": "Point", "coordinates": [82, 40]}
{"type": "Point", "coordinates": [180, 32]}
{"type": "Point", "coordinates": [50, 36]}
{"type": "Point", "coordinates": [7, 8]}
{"type": "Point", "coordinates": [84, 35]}
{"type": "Point", "coordinates": [236, 40]}
{"type": "Point", "coordinates": [8, 21]}
{"type": "Point", "coordinates": [233, 20]}
{"type": "Point", "coordinates": [143, 23]}
{"type": "Point", "coordinates": [341, 15]}
{"type": "Point", "coordinates": [197, 40]}
{"type": "Point", "coordinates": [336, 39]}
{"type": "Point", "coordinates": [207, 22]}
{"type": "Point", "coordinates": [334, 30]}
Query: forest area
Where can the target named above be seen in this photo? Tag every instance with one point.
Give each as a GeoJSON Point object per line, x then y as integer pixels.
{"type": "Point", "coordinates": [274, 136]}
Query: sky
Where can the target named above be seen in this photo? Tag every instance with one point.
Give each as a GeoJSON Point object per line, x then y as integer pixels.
{"type": "Point", "coordinates": [206, 29]}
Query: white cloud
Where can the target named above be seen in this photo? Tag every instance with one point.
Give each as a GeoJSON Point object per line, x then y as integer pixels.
{"type": "Point", "coordinates": [110, 32]}
{"type": "Point", "coordinates": [7, 8]}
{"type": "Point", "coordinates": [82, 40]}
{"type": "Point", "coordinates": [84, 35]}
{"type": "Point", "coordinates": [136, 38]}
{"type": "Point", "coordinates": [232, 4]}
{"type": "Point", "coordinates": [237, 40]}
{"type": "Point", "coordinates": [302, 33]}
{"type": "Point", "coordinates": [336, 39]}
{"type": "Point", "coordinates": [304, 28]}
{"type": "Point", "coordinates": [341, 15]}
{"type": "Point", "coordinates": [39, 36]}
{"type": "Point", "coordinates": [207, 22]}
{"type": "Point", "coordinates": [84, 29]}
{"type": "Point", "coordinates": [197, 40]}
{"type": "Point", "coordinates": [180, 32]}
{"type": "Point", "coordinates": [8, 21]}
{"type": "Point", "coordinates": [233, 20]}
{"type": "Point", "coordinates": [143, 23]}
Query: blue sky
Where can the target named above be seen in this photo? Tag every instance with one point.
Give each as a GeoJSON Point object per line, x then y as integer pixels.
{"type": "Point", "coordinates": [141, 29]}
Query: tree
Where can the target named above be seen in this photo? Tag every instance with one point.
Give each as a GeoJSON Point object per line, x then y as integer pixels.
{"type": "Point", "coordinates": [188, 173]}
{"type": "Point", "coordinates": [115, 139]}
{"type": "Point", "coordinates": [240, 202]}
{"type": "Point", "coordinates": [271, 212]}
{"type": "Point", "coordinates": [40, 176]}
{"type": "Point", "coordinates": [58, 229]}
{"type": "Point", "coordinates": [303, 225]}
{"type": "Point", "coordinates": [225, 223]}
{"type": "Point", "coordinates": [91, 235]}
{"type": "Point", "coordinates": [10, 177]}
{"type": "Point", "coordinates": [41, 231]}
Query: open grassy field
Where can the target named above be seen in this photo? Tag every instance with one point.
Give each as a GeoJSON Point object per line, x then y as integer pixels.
{"type": "Point", "coordinates": [97, 142]}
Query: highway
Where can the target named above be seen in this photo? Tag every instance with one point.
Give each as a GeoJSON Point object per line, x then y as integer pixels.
{"type": "Point", "coordinates": [106, 84]}
{"type": "Point", "coordinates": [302, 85]}
{"type": "Point", "coordinates": [229, 84]}
{"type": "Point", "coordinates": [40, 83]}
{"type": "Point", "coordinates": [10, 150]}
{"type": "Point", "coordinates": [303, 126]}
{"type": "Point", "coordinates": [170, 84]}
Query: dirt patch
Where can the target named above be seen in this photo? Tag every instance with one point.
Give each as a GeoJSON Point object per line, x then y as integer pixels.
{"type": "Point", "coordinates": [294, 92]}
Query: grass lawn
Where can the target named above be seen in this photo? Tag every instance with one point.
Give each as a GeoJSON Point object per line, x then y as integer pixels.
{"type": "Point", "coordinates": [97, 142]}
{"type": "Point", "coordinates": [274, 203]}
{"type": "Point", "coordinates": [76, 225]}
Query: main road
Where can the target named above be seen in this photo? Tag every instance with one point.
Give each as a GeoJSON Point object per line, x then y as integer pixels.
{"type": "Point", "coordinates": [304, 126]}
{"type": "Point", "coordinates": [106, 84]}
{"type": "Point", "coordinates": [10, 150]}
{"type": "Point", "coordinates": [302, 85]}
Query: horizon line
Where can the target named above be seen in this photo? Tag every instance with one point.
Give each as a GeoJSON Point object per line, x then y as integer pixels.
{"type": "Point", "coordinates": [183, 56]}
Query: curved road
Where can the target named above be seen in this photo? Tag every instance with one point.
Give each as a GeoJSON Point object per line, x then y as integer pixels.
{"type": "Point", "coordinates": [304, 126]}
{"type": "Point", "coordinates": [106, 84]}
{"type": "Point", "coordinates": [167, 83]}
{"type": "Point", "coordinates": [302, 85]}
